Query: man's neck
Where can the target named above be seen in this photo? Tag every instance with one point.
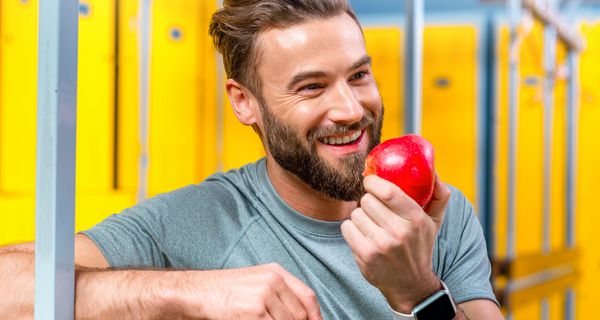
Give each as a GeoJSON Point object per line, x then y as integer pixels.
{"type": "Point", "coordinates": [300, 197]}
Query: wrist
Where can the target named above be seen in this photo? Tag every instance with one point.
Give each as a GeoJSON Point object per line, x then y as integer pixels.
{"type": "Point", "coordinates": [439, 306]}
{"type": "Point", "coordinates": [405, 300]}
{"type": "Point", "coordinates": [166, 293]}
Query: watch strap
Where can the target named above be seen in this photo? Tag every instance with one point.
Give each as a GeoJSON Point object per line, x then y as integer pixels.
{"type": "Point", "coordinates": [411, 316]}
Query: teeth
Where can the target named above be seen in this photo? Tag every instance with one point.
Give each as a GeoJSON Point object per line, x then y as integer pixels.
{"type": "Point", "coordinates": [341, 140]}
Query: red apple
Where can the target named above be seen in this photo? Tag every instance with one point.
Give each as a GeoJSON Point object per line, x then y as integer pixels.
{"type": "Point", "coordinates": [408, 163]}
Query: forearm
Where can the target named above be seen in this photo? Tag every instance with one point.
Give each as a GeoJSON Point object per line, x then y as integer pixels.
{"type": "Point", "coordinates": [17, 284]}
{"type": "Point", "coordinates": [100, 294]}
{"type": "Point", "coordinates": [124, 294]}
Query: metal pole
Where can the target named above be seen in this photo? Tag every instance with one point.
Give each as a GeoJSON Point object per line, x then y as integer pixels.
{"type": "Point", "coordinates": [220, 99]}
{"type": "Point", "coordinates": [487, 138]}
{"type": "Point", "coordinates": [413, 62]}
{"type": "Point", "coordinates": [549, 66]}
{"type": "Point", "coordinates": [144, 112]}
{"type": "Point", "coordinates": [55, 163]}
{"type": "Point", "coordinates": [514, 13]}
{"type": "Point", "coordinates": [549, 61]}
{"type": "Point", "coordinates": [571, 170]}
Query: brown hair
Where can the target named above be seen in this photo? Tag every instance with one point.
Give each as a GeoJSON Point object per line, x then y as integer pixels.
{"type": "Point", "coordinates": [236, 26]}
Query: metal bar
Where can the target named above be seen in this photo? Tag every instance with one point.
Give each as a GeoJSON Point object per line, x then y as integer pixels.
{"type": "Point", "coordinates": [55, 163]}
{"type": "Point", "coordinates": [514, 8]}
{"type": "Point", "coordinates": [144, 112]}
{"type": "Point", "coordinates": [220, 127]}
{"type": "Point", "coordinates": [546, 12]}
{"type": "Point", "coordinates": [514, 15]}
{"type": "Point", "coordinates": [413, 65]}
{"type": "Point", "coordinates": [116, 95]}
{"type": "Point", "coordinates": [549, 62]}
{"type": "Point", "coordinates": [571, 170]}
{"type": "Point", "coordinates": [220, 99]}
{"type": "Point", "coordinates": [572, 126]}
{"type": "Point", "coordinates": [487, 137]}
{"type": "Point", "coordinates": [570, 305]}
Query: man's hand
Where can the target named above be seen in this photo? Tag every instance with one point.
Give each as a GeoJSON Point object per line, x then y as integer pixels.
{"type": "Point", "coordinates": [260, 292]}
{"type": "Point", "coordinates": [392, 239]}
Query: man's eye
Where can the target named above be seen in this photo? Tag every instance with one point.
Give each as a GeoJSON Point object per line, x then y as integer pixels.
{"type": "Point", "coordinates": [312, 86]}
{"type": "Point", "coordinates": [359, 75]}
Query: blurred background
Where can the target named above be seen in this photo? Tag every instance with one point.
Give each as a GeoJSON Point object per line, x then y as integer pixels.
{"type": "Point", "coordinates": [153, 116]}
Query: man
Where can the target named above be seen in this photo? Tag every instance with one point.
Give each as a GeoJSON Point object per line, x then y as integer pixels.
{"type": "Point", "coordinates": [283, 238]}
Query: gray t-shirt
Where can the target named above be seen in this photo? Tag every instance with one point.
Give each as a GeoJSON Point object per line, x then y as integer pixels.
{"type": "Point", "coordinates": [237, 219]}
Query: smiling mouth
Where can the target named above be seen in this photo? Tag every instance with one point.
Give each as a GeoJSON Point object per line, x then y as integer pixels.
{"type": "Point", "coordinates": [342, 140]}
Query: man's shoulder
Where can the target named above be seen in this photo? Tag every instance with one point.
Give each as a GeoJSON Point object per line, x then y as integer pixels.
{"type": "Point", "coordinates": [220, 187]}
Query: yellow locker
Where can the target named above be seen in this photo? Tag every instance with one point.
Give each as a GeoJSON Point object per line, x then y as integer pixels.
{"type": "Point", "coordinates": [450, 102]}
{"type": "Point", "coordinates": [128, 144]}
{"type": "Point", "coordinates": [528, 205]}
{"type": "Point", "coordinates": [18, 95]}
{"type": "Point", "coordinates": [95, 93]}
{"type": "Point", "coordinates": [588, 174]}
{"type": "Point", "coordinates": [175, 95]}
{"type": "Point", "coordinates": [530, 164]}
{"type": "Point", "coordinates": [208, 126]}
{"type": "Point", "coordinates": [94, 173]}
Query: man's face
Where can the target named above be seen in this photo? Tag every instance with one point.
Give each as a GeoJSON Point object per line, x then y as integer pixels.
{"type": "Point", "coordinates": [321, 110]}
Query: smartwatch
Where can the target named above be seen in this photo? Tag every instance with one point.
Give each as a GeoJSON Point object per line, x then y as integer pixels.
{"type": "Point", "coordinates": [439, 306]}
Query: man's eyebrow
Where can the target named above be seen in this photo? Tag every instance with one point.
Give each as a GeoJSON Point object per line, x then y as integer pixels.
{"type": "Point", "coordinates": [303, 76]}
{"type": "Point", "coordinates": [361, 62]}
{"type": "Point", "coordinates": [319, 74]}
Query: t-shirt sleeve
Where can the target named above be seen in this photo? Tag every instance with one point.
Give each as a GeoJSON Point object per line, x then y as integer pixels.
{"type": "Point", "coordinates": [132, 237]}
{"type": "Point", "coordinates": [463, 263]}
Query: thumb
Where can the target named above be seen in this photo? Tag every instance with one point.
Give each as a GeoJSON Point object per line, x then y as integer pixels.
{"type": "Point", "coordinates": [439, 200]}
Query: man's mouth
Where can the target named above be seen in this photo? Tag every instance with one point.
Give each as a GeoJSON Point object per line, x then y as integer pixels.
{"type": "Point", "coordinates": [342, 140]}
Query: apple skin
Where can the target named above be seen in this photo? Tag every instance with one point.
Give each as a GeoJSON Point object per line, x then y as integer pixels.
{"type": "Point", "coordinates": [407, 162]}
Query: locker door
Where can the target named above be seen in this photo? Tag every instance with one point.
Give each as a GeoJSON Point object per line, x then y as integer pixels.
{"type": "Point", "coordinates": [530, 164]}
{"type": "Point", "coordinates": [175, 95]}
{"type": "Point", "coordinates": [588, 172]}
{"type": "Point", "coordinates": [450, 102]}
{"type": "Point", "coordinates": [18, 95]}
{"type": "Point", "coordinates": [95, 103]}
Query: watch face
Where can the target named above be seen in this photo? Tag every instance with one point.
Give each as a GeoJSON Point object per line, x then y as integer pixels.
{"type": "Point", "coordinates": [440, 308]}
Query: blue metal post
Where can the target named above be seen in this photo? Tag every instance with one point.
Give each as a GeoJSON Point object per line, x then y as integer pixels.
{"type": "Point", "coordinates": [413, 63]}
{"type": "Point", "coordinates": [144, 112]}
{"type": "Point", "coordinates": [486, 179]}
{"type": "Point", "coordinates": [514, 13]}
{"type": "Point", "coordinates": [55, 163]}
{"type": "Point", "coordinates": [571, 170]}
{"type": "Point", "coordinates": [549, 62]}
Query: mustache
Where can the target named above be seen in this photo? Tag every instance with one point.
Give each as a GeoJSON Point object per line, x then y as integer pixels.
{"type": "Point", "coordinates": [323, 131]}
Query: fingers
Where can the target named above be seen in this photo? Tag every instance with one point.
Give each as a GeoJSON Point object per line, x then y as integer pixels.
{"type": "Point", "coordinates": [356, 239]}
{"type": "Point", "coordinates": [300, 300]}
{"type": "Point", "coordinates": [392, 196]}
{"type": "Point", "coordinates": [437, 206]}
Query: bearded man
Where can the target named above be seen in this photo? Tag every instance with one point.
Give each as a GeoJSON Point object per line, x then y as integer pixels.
{"type": "Point", "coordinates": [298, 234]}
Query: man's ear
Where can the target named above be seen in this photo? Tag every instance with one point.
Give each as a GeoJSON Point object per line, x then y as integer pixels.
{"type": "Point", "coordinates": [243, 102]}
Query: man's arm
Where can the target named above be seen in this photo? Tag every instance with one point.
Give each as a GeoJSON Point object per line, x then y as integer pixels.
{"type": "Point", "coordinates": [260, 292]}
{"type": "Point", "coordinates": [480, 309]}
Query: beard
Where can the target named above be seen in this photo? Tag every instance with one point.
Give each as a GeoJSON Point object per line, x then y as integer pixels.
{"type": "Point", "coordinates": [342, 181]}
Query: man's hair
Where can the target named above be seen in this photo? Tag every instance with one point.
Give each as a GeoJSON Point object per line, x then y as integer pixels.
{"type": "Point", "coordinates": [235, 29]}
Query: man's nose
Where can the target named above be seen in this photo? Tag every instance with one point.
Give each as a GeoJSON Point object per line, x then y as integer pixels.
{"type": "Point", "coordinates": [345, 107]}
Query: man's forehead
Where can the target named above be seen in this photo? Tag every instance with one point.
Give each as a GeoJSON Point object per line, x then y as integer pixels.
{"type": "Point", "coordinates": [311, 41]}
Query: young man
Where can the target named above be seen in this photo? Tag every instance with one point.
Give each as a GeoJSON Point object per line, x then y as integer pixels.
{"type": "Point", "coordinates": [285, 237]}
